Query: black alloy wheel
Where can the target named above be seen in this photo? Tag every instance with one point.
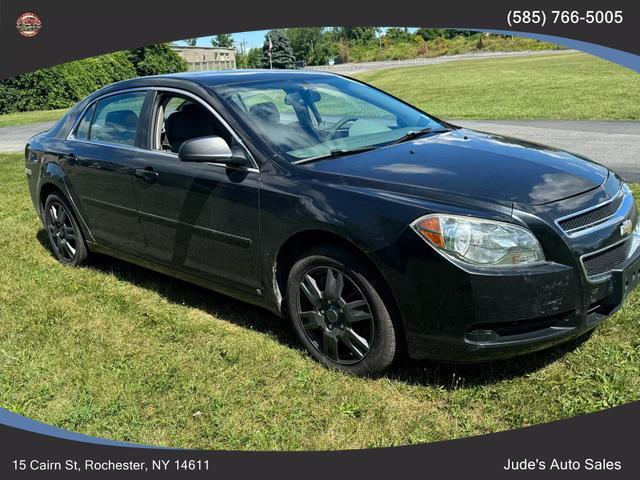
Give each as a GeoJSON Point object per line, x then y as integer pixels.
{"type": "Point", "coordinates": [339, 314]}
{"type": "Point", "coordinates": [64, 234]}
{"type": "Point", "coordinates": [335, 315]}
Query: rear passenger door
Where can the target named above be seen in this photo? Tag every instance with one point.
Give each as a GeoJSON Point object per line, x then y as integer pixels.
{"type": "Point", "coordinates": [99, 165]}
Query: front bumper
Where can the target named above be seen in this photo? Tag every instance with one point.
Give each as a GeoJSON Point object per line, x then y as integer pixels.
{"type": "Point", "coordinates": [456, 315]}
{"type": "Point", "coordinates": [538, 316]}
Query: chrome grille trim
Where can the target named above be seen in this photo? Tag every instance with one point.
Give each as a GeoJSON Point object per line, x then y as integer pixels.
{"type": "Point", "coordinates": [616, 256]}
{"type": "Point", "coordinates": [622, 198]}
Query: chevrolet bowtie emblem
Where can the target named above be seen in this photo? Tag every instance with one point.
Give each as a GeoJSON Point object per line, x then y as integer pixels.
{"type": "Point", "coordinates": [626, 228]}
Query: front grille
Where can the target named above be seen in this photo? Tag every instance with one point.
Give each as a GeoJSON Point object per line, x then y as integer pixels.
{"type": "Point", "coordinates": [598, 266]}
{"type": "Point", "coordinates": [592, 217]}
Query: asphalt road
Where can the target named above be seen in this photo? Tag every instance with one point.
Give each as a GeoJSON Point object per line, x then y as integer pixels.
{"type": "Point", "coordinates": [13, 139]}
{"type": "Point", "coordinates": [614, 144]}
{"type": "Point", "coordinates": [352, 68]}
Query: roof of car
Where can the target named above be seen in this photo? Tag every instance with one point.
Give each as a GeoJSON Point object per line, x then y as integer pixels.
{"type": "Point", "coordinates": [223, 77]}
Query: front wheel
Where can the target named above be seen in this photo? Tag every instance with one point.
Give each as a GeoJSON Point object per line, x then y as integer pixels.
{"type": "Point", "coordinates": [338, 312]}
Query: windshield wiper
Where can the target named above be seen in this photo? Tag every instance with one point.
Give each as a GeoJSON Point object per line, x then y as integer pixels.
{"type": "Point", "coordinates": [416, 133]}
{"type": "Point", "coordinates": [336, 154]}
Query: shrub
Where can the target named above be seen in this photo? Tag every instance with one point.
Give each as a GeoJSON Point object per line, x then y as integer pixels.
{"type": "Point", "coordinates": [156, 60]}
{"type": "Point", "coordinates": [416, 46]}
{"type": "Point", "coordinates": [63, 85]}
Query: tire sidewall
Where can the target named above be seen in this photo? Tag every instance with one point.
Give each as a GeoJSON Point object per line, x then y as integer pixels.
{"type": "Point", "coordinates": [383, 351]}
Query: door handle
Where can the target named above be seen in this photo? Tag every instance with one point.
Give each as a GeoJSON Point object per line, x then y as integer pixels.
{"type": "Point", "coordinates": [148, 174]}
{"type": "Point", "coordinates": [71, 158]}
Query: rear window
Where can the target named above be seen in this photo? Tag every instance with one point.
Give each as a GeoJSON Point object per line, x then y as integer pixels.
{"type": "Point", "coordinates": [84, 128]}
{"type": "Point", "coordinates": [113, 119]}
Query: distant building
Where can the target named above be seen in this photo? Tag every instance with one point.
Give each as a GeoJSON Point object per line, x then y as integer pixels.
{"type": "Point", "coordinates": [207, 58]}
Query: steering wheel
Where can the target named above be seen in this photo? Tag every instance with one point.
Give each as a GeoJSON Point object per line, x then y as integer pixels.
{"type": "Point", "coordinates": [341, 123]}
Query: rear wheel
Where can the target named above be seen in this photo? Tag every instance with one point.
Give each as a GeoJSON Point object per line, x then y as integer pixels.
{"type": "Point", "coordinates": [338, 312]}
{"type": "Point", "coordinates": [65, 236]}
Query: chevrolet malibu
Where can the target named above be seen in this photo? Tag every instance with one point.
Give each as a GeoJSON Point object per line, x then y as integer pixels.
{"type": "Point", "coordinates": [375, 228]}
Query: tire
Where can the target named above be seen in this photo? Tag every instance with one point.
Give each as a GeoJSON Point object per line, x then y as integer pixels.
{"type": "Point", "coordinates": [65, 237]}
{"type": "Point", "coordinates": [344, 324]}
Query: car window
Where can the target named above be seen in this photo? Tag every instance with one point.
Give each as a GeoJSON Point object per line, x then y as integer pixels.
{"type": "Point", "coordinates": [116, 118]}
{"type": "Point", "coordinates": [172, 105]}
{"type": "Point", "coordinates": [255, 101]}
{"type": "Point", "coordinates": [183, 119]}
{"type": "Point", "coordinates": [310, 116]}
{"type": "Point", "coordinates": [334, 104]}
{"type": "Point", "coordinates": [82, 132]}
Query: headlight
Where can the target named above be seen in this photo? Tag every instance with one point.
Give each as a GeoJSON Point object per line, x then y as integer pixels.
{"type": "Point", "coordinates": [480, 242]}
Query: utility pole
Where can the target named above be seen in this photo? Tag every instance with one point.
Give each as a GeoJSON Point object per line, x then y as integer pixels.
{"type": "Point", "coordinates": [242, 44]}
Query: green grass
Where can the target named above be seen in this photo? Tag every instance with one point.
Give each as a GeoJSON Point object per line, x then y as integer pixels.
{"type": "Point", "coordinates": [572, 86]}
{"type": "Point", "coordinates": [117, 351]}
{"type": "Point", "coordinates": [25, 118]}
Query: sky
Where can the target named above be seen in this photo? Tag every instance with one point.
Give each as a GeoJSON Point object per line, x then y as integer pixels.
{"type": "Point", "coordinates": [253, 39]}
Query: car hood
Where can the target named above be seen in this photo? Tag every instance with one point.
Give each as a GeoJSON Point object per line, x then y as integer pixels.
{"type": "Point", "coordinates": [469, 163]}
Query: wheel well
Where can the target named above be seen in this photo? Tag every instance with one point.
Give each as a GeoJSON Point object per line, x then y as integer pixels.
{"type": "Point", "coordinates": [49, 188]}
{"type": "Point", "coordinates": [298, 244]}
{"type": "Point", "coordinates": [46, 190]}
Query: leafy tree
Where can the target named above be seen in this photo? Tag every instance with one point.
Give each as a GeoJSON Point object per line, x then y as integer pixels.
{"type": "Point", "coordinates": [313, 45]}
{"type": "Point", "coordinates": [396, 34]}
{"type": "Point", "coordinates": [224, 40]}
{"type": "Point", "coordinates": [191, 41]}
{"type": "Point", "coordinates": [156, 59]}
{"type": "Point", "coordinates": [251, 59]}
{"type": "Point", "coordinates": [281, 53]}
{"type": "Point", "coordinates": [304, 41]}
{"type": "Point", "coordinates": [362, 35]}
{"type": "Point", "coordinates": [254, 58]}
{"type": "Point", "coordinates": [431, 33]}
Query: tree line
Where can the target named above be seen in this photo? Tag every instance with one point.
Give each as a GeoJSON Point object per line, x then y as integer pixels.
{"type": "Point", "coordinates": [320, 45]}
{"type": "Point", "coordinates": [63, 85]}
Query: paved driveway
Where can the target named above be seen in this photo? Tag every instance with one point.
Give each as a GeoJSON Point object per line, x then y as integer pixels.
{"type": "Point", "coordinates": [353, 68]}
{"type": "Point", "coordinates": [614, 144]}
{"type": "Point", "coordinates": [13, 139]}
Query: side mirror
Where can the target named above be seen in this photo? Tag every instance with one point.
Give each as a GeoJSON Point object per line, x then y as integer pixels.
{"type": "Point", "coordinates": [212, 149]}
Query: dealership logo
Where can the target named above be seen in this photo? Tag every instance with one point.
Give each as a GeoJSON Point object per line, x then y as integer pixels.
{"type": "Point", "coordinates": [626, 227]}
{"type": "Point", "coordinates": [28, 24]}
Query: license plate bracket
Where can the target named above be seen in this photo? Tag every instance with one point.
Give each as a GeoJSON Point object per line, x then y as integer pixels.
{"type": "Point", "coordinates": [626, 280]}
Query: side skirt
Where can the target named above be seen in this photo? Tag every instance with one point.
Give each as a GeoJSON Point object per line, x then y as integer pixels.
{"type": "Point", "coordinates": [238, 292]}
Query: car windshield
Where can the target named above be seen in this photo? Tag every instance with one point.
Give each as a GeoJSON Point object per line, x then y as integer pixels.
{"type": "Point", "coordinates": [320, 116]}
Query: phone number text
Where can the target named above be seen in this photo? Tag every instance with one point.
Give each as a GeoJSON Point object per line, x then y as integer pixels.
{"type": "Point", "coordinates": [541, 17]}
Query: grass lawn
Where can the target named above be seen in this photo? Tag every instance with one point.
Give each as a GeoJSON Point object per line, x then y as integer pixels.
{"type": "Point", "coordinates": [24, 118]}
{"type": "Point", "coordinates": [116, 351]}
{"type": "Point", "coordinates": [573, 86]}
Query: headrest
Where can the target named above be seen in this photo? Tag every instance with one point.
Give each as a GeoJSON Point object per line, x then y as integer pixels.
{"type": "Point", "coordinates": [266, 112]}
{"type": "Point", "coordinates": [121, 118]}
{"type": "Point", "coordinates": [191, 121]}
